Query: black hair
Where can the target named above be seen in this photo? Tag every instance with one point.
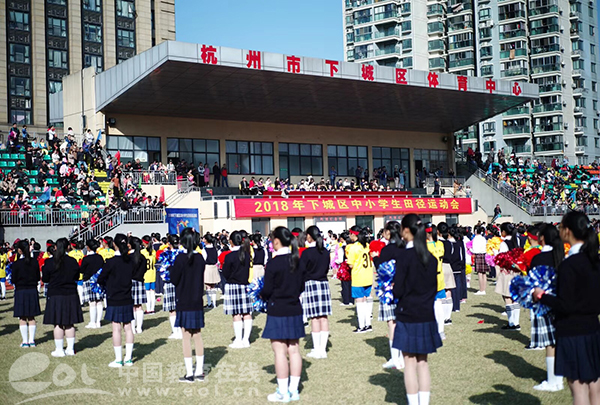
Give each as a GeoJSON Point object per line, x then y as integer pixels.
{"type": "Point", "coordinates": [79, 245]}
{"type": "Point", "coordinates": [23, 245]}
{"type": "Point", "coordinates": [433, 232]}
{"type": "Point", "coordinates": [394, 228]}
{"type": "Point", "coordinates": [315, 234]}
{"type": "Point", "coordinates": [62, 246]}
{"type": "Point", "coordinates": [288, 240]}
{"type": "Point", "coordinates": [148, 240]}
{"type": "Point", "coordinates": [209, 238]}
{"type": "Point", "coordinates": [51, 250]}
{"type": "Point", "coordinates": [552, 238]}
{"type": "Point", "coordinates": [173, 240]}
{"type": "Point", "coordinates": [92, 245]}
{"type": "Point", "coordinates": [493, 229]}
{"type": "Point", "coordinates": [509, 229]}
{"type": "Point", "coordinates": [443, 229]}
{"type": "Point", "coordinates": [581, 228]}
{"type": "Point", "coordinates": [188, 241]}
{"type": "Point", "coordinates": [362, 235]}
{"type": "Point", "coordinates": [480, 230]}
{"type": "Point", "coordinates": [109, 241]}
{"type": "Point", "coordinates": [533, 230]}
{"type": "Point", "coordinates": [136, 245]}
{"type": "Point", "coordinates": [37, 246]}
{"type": "Point", "coordinates": [257, 238]}
{"type": "Point", "coordinates": [237, 239]}
{"type": "Point", "coordinates": [301, 236]}
{"type": "Point", "coordinates": [120, 242]}
{"type": "Point", "coordinates": [414, 224]}
{"type": "Point", "coordinates": [455, 232]}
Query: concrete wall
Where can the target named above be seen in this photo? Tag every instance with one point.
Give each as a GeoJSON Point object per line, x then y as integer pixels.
{"type": "Point", "coordinates": [488, 198]}
{"type": "Point", "coordinates": [40, 233]}
{"type": "Point", "coordinates": [140, 230]}
{"type": "Point", "coordinates": [79, 94]}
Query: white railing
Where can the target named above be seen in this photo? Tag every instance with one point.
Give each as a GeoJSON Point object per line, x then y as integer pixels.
{"type": "Point", "coordinates": [45, 218]}
{"type": "Point", "coordinates": [152, 177]}
{"type": "Point", "coordinates": [119, 217]}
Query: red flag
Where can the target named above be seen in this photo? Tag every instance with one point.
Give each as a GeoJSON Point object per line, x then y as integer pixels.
{"type": "Point", "coordinates": [162, 194]}
{"type": "Point", "coordinates": [118, 156]}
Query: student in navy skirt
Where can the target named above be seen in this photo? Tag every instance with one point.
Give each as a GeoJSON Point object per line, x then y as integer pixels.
{"type": "Point", "coordinates": [63, 309]}
{"type": "Point", "coordinates": [316, 300]}
{"type": "Point", "coordinates": [138, 291]}
{"type": "Point", "coordinates": [212, 276]}
{"type": "Point", "coordinates": [169, 291]}
{"type": "Point", "coordinates": [187, 274]}
{"type": "Point", "coordinates": [90, 265]}
{"type": "Point", "coordinates": [116, 277]}
{"type": "Point", "coordinates": [25, 278]}
{"type": "Point", "coordinates": [236, 302]}
{"type": "Point", "coordinates": [284, 282]}
{"type": "Point", "coordinates": [415, 287]}
{"type": "Point", "coordinates": [576, 306]}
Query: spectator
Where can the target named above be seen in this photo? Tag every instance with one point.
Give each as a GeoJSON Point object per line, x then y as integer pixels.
{"type": "Point", "coordinates": [332, 174]}
{"type": "Point", "coordinates": [206, 175]}
{"type": "Point", "coordinates": [436, 187]}
{"type": "Point", "coordinates": [497, 213]}
{"type": "Point", "coordinates": [25, 136]}
{"type": "Point", "coordinates": [224, 181]}
{"type": "Point", "coordinates": [244, 186]}
{"type": "Point", "coordinates": [216, 171]}
{"type": "Point", "coordinates": [201, 181]}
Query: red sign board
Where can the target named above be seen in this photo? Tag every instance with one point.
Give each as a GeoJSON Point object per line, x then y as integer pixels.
{"type": "Point", "coordinates": [297, 207]}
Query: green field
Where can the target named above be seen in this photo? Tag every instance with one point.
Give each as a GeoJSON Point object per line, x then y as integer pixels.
{"type": "Point", "coordinates": [478, 364]}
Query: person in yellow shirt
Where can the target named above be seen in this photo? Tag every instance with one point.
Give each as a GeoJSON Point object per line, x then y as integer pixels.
{"type": "Point", "coordinates": [436, 247]}
{"type": "Point", "coordinates": [359, 261]}
{"type": "Point", "coordinates": [150, 274]}
{"type": "Point", "coordinates": [76, 253]}
{"type": "Point", "coordinates": [3, 264]}
{"type": "Point", "coordinates": [105, 251]}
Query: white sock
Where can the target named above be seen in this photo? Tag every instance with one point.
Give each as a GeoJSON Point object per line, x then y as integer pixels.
{"type": "Point", "coordinates": [552, 379]}
{"type": "Point", "coordinates": [316, 337]}
{"type": "Point", "coordinates": [213, 294]}
{"type": "Point", "coordinates": [360, 310]}
{"type": "Point", "coordinates": [32, 333]}
{"type": "Point", "coordinates": [23, 329]}
{"type": "Point", "coordinates": [438, 309]}
{"type": "Point", "coordinates": [199, 366]}
{"type": "Point", "coordinates": [3, 288]}
{"type": "Point", "coordinates": [447, 305]}
{"type": "Point", "coordinates": [172, 321]}
{"type": "Point", "coordinates": [99, 312]}
{"type": "Point", "coordinates": [208, 298]}
{"type": "Point", "coordinates": [133, 321]}
{"type": "Point", "coordinates": [151, 300]}
{"type": "Point", "coordinates": [413, 399]}
{"type": "Point", "coordinates": [516, 314]}
{"type": "Point", "coordinates": [323, 341]}
{"type": "Point", "coordinates": [189, 367]}
{"type": "Point", "coordinates": [282, 384]}
{"type": "Point", "coordinates": [294, 382]}
{"type": "Point", "coordinates": [118, 353]}
{"type": "Point", "coordinates": [508, 309]}
{"type": "Point", "coordinates": [128, 351]}
{"type": "Point", "coordinates": [424, 398]}
{"type": "Point", "coordinates": [80, 293]}
{"type": "Point", "coordinates": [70, 343]}
{"type": "Point", "coordinates": [59, 344]}
{"type": "Point", "coordinates": [140, 320]}
{"type": "Point", "coordinates": [238, 328]}
{"type": "Point", "coordinates": [92, 314]}
{"type": "Point", "coordinates": [369, 311]}
{"type": "Point", "coordinates": [247, 329]}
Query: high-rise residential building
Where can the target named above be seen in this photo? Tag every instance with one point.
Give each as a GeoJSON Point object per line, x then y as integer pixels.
{"type": "Point", "coordinates": [552, 43]}
{"type": "Point", "coordinates": [43, 40]}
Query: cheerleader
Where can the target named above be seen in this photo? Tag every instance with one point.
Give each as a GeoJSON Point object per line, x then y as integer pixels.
{"type": "Point", "coordinates": [150, 274]}
{"type": "Point", "coordinates": [25, 278]}
{"type": "Point", "coordinates": [138, 290]}
{"type": "Point", "coordinates": [316, 299]}
{"type": "Point", "coordinates": [449, 281]}
{"type": "Point", "coordinates": [90, 265]}
{"type": "Point", "coordinates": [391, 233]}
{"type": "Point", "coordinates": [346, 285]}
{"type": "Point", "coordinates": [212, 276]}
{"type": "Point", "coordinates": [3, 264]}
{"type": "Point", "coordinates": [361, 265]}
{"type": "Point", "coordinates": [63, 309]}
{"type": "Point", "coordinates": [106, 250]}
{"type": "Point", "coordinates": [76, 252]}
{"type": "Point", "coordinates": [117, 276]}
{"type": "Point", "coordinates": [505, 276]}
{"type": "Point", "coordinates": [236, 270]}
{"type": "Point", "coordinates": [576, 306]}
{"type": "Point", "coordinates": [436, 248]}
{"type": "Point", "coordinates": [169, 291]}
{"type": "Point", "coordinates": [478, 251]}
{"type": "Point", "coordinates": [284, 282]}
{"type": "Point", "coordinates": [415, 286]}
{"type": "Point", "coordinates": [260, 256]}
{"type": "Point", "coordinates": [542, 327]}
{"type": "Point", "coordinates": [187, 275]}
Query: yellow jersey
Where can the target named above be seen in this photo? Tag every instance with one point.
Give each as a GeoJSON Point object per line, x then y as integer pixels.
{"type": "Point", "coordinates": [3, 263]}
{"type": "Point", "coordinates": [437, 249]}
{"type": "Point", "coordinates": [359, 260]}
{"type": "Point", "coordinates": [150, 274]}
{"type": "Point", "coordinates": [106, 253]}
{"type": "Point", "coordinates": [78, 256]}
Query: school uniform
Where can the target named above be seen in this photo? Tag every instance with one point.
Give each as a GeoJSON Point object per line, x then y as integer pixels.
{"type": "Point", "coordinates": [543, 331]}
{"type": "Point", "coordinates": [62, 303]}
{"type": "Point", "coordinates": [505, 276]}
{"type": "Point", "coordinates": [449, 280]}
{"type": "Point", "coordinates": [316, 299]}
{"type": "Point", "coordinates": [169, 302]}
{"type": "Point", "coordinates": [25, 278]}
{"type": "Point", "coordinates": [576, 306]}
{"type": "Point", "coordinates": [282, 290]}
{"type": "Point", "coordinates": [359, 259]}
{"type": "Point", "coordinates": [117, 277]}
{"type": "Point", "coordinates": [211, 271]}
{"type": "Point", "coordinates": [90, 266]}
{"type": "Point", "coordinates": [386, 311]}
{"type": "Point", "coordinates": [138, 290]}
{"type": "Point", "coordinates": [236, 300]}
{"type": "Point", "coordinates": [478, 251]}
{"type": "Point", "coordinates": [458, 271]}
{"type": "Point", "coordinates": [188, 279]}
{"type": "Point", "coordinates": [258, 263]}
{"type": "Point", "coordinates": [150, 274]}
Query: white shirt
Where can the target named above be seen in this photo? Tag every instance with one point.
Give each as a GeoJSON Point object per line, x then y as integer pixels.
{"type": "Point", "coordinates": [503, 246]}
{"type": "Point", "coordinates": [479, 244]}
{"type": "Point", "coordinates": [547, 248]}
{"type": "Point", "coordinates": [283, 251]}
{"type": "Point", "coordinates": [410, 245]}
{"type": "Point", "coordinates": [574, 249]}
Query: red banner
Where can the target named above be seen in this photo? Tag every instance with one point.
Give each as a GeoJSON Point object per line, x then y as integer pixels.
{"type": "Point", "coordinates": [299, 207]}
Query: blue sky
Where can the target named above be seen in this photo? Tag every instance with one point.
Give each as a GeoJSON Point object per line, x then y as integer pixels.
{"type": "Point", "coordinates": [306, 28]}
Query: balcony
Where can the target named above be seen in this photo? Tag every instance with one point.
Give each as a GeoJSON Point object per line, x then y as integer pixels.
{"type": "Point", "coordinates": [518, 71]}
{"type": "Point", "coordinates": [545, 29]}
{"type": "Point", "coordinates": [547, 88]}
{"type": "Point", "coordinates": [436, 45]}
{"type": "Point", "coordinates": [486, 52]}
{"type": "Point", "coordinates": [549, 147]}
{"type": "Point", "coordinates": [574, 33]}
{"type": "Point", "coordinates": [357, 3]}
{"type": "Point", "coordinates": [552, 67]}
{"type": "Point", "coordinates": [548, 127]}
{"type": "Point", "coordinates": [435, 28]}
{"type": "Point", "coordinates": [579, 130]}
{"type": "Point", "coordinates": [461, 62]}
{"type": "Point", "coordinates": [364, 37]}
{"type": "Point", "coordinates": [577, 72]}
{"type": "Point", "coordinates": [513, 34]}
{"type": "Point", "coordinates": [574, 15]}
{"type": "Point", "coordinates": [388, 50]}
{"type": "Point", "coordinates": [516, 111]}
{"type": "Point", "coordinates": [405, 8]}
{"type": "Point", "coordinates": [465, 134]}
{"type": "Point", "coordinates": [580, 150]}
{"type": "Point", "coordinates": [578, 110]}
{"type": "Point", "coordinates": [460, 44]}
{"type": "Point", "coordinates": [362, 20]}
{"type": "Point", "coordinates": [463, 25]}
{"type": "Point", "coordinates": [487, 70]}
{"type": "Point", "coordinates": [363, 55]}
{"type": "Point", "coordinates": [512, 15]}
{"type": "Point", "coordinates": [394, 32]}
{"type": "Point", "coordinates": [542, 108]}
{"type": "Point", "coordinates": [533, 12]}
{"type": "Point", "coordinates": [435, 10]}
{"type": "Point", "coordinates": [577, 53]}
{"type": "Point", "coordinates": [437, 63]}
{"type": "Point", "coordinates": [386, 15]}
{"type": "Point", "coordinates": [579, 91]}
{"type": "Point", "coordinates": [513, 53]}
{"type": "Point", "coordinates": [515, 129]}
{"type": "Point", "coordinates": [519, 149]}
{"type": "Point", "coordinates": [535, 50]}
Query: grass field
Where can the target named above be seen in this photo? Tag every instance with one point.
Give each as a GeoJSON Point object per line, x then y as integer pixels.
{"type": "Point", "coordinates": [478, 364]}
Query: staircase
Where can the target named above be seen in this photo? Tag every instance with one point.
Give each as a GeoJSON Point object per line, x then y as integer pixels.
{"type": "Point", "coordinates": [105, 225]}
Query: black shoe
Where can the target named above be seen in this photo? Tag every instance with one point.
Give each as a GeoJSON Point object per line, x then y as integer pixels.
{"type": "Point", "coordinates": [368, 329]}
{"type": "Point", "coordinates": [517, 327]}
{"type": "Point", "coordinates": [448, 322]}
{"type": "Point", "coordinates": [359, 330]}
{"type": "Point", "coordinates": [506, 327]}
{"type": "Point", "coordinates": [189, 380]}
{"type": "Point", "coordinates": [199, 378]}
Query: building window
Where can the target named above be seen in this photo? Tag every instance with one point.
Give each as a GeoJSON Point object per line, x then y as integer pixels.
{"type": "Point", "coordinates": [431, 160]}
{"type": "Point", "coordinates": [591, 30]}
{"type": "Point", "coordinates": [57, 59]}
{"type": "Point", "coordinates": [261, 225]}
{"type": "Point", "coordinates": [54, 86]}
{"type": "Point", "coordinates": [19, 53]}
{"type": "Point", "coordinates": [18, 21]}
{"type": "Point", "coordinates": [92, 5]}
{"type": "Point", "coordinates": [594, 86]}
{"type": "Point", "coordinates": [57, 27]}
{"type": "Point", "coordinates": [93, 60]}
{"type": "Point", "coordinates": [249, 157]}
{"type": "Point", "coordinates": [295, 222]}
{"type": "Point", "coordinates": [300, 160]}
{"type": "Point", "coordinates": [20, 86]}
{"type": "Point", "coordinates": [21, 117]}
{"type": "Point", "coordinates": [365, 221]}
{"type": "Point", "coordinates": [146, 149]}
{"type": "Point", "coordinates": [593, 68]}
{"type": "Point", "coordinates": [194, 151]}
{"type": "Point", "coordinates": [392, 157]}
{"type": "Point", "coordinates": [346, 159]}
{"type": "Point", "coordinates": [592, 49]}
{"type": "Point", "coordinates": [452, 219]}
{"type": "Point", "coordinates": [125, 9]}
{"type": "Point", "coordinates": [58, 2]}
{"type": "Point", "coordinates": [93, 32]}
{"type": "Point", "coordinates": [126, 38]}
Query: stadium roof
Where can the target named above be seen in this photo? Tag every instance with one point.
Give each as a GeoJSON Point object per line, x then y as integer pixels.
{"type": "Point", "coordinates": [176, 79]}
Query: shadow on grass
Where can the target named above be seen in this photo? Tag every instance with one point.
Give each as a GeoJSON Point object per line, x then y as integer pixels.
{"type": "Point", "coordinates": [255, 334]}
{"type": "Point", "coordinates": [509, 334]}
{"type": "Point", "coordinates": [381, 344]}
{"type": "Point", "coordinates": [150, 323]}
{"type": "Point", "coordinates": [8, 329]}
{"type": "Point", "coordinates": [504, 395]}
{"type": "Point", "coordinates": [141, 350]}
{"type": "Point", "coordinates": [488, 319]}
{"type": "Point", "coordinates": [393, 383]}
{"type": "Point", "coordinates": [517, 365]}
{"type": "Point", "coordinates": [270, 369]}
{"type": "Point", "coordinates": [212, 357]}
{"type": "Point", "coordinates": [92, 341]}
{"type": "Point", "coordinates": [492, 307]}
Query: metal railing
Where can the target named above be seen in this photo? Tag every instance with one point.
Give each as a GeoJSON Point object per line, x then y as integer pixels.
{"type": "Point", "coordinates": [152, 177]}
{"type": "Point", "coordinates": [119, 217]}
{"type": "Point", "coordinates": [506, 192]}
{"type": "Point", "coordinates": [37, 218]}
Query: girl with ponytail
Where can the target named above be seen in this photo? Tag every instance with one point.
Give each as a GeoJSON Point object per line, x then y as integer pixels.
{"type": "Point", "coordinates": [116, 277]}
{"type": "Point", "coordinates": [150, 274]}
{"type": "Point", "coordinates": [508, 232]}
{"type": "Point", "coordinates": [25, 278]}
{"type": "Point", "coordinates": [169, 289]}
{"type": "Point", "coordinates": [576, 307]}
{"type": "Point", "coordinates": [359, 261]}
{"type": "Point", "coordinates": [284, 282]}
{"type": "Point", "coordinates": [138, 292]}
{"type": "Point", "coordinates": [236, 270]}
{"type": "Point", "coordinates": [212, 277]}
{"type": "Point", "coordinates": [449, 281]}
{"type": "Point", "coordinates": [458, 268]}
{"type": "Point", "coordinates": [90, 265]}
{"type": "Point", "coordinates": [436, 248]}
{"type": "Point", "coordinates": [316, 299]}
{"type": "Point", "coordinates": [415, 287]}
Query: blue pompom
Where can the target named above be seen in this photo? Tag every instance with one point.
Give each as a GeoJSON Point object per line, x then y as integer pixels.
{"type": "Point", "coordinates": [254, 289]}
{"type": "Point", "coordinates": [521, 288]}
{"type": "Point", "coordinates": [165, 261]}
{"type": "Point", "coordinates": [96, 288]}
{"type": "Point", "coordinates": [9, 273]}
{"type": "Point", "coordinates": [385, 278]}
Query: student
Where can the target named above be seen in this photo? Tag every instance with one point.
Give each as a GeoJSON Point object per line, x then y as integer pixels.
{"type": "Point", "coordinates": [138, 290]}
{"type": "Point", "coordinates": [391, 233]}
{"type": "Point", "coordinates": [116, 276]}
{"type": "Point", "coordinates": [169, 300]}
{"type": "Point", "coordinates": [478, 251]}
{"type": "Point", "coordinates": [576, 306]}
{"type": "Point", "coordinates": [236, 270]}
{"type": "Point", "coordinates": [150, 274]}
{"type": "Point", "coordinates": [25, 278]}
{"type": "Point", "coordinates": [260, 257]}
{"type": "Point", "coordinates": [284, 282]}
{"type": "Point", "coordinates": [212, 276]}
{"type": "Point", "coordinates": [3, 264]}
{"type": "Point", "coordinates": [449, 281]}
{"type": "Point", "coordinates": [415, 287]}
{"type": "Point", "coordinates": [505, 276]}
{"type": "Point", "coordinates": [316, 299]}
{"type": "Point", "coordinates": [360, 263]}
{"type": "Point", "coordinates": [436, 248]}
{"type": "Point", "coordinates": [90, 265]}
{"type": "Point", "coordinates": [458, 268]}
{"type": "Point", "coordinates": [187, 275]}
{"type": "Point", "coordinates": [63, 309]}
{"type": "Point", "coordinates": [76, 252]}
{"type": "Point", "coordinates": [106, 250]}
